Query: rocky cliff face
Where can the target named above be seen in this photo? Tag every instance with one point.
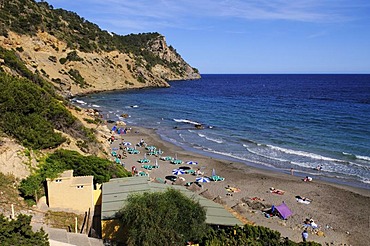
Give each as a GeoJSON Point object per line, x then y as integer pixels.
{"type": "Point", "coordinates": [74, 72]}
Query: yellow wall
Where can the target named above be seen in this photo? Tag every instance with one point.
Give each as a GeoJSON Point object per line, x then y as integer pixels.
{"type": "Point", "coordinates": [97, 195]}
{"type": "Point", "coordinates": [112, 230]}
{"type": "Point", "coordinates": [66, 195]}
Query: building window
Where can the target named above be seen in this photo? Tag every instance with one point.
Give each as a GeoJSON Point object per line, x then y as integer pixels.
{"type": "Point", "coordinates": [58, 181]}
{"type": "Point", "coordinates": [80, 186]}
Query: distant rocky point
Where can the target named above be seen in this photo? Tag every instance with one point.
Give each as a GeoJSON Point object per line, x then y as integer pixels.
{"type": "Point", "coordinates": [77, 57]}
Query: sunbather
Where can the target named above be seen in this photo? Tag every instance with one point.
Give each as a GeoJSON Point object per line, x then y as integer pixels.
{"type": "Point", "coordinates": [276, 191]}
{"type": "Point", "coordinates": [307, 179]}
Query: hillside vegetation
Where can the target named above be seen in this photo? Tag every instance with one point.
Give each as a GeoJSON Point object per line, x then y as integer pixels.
{"type": "Point", "coordinates": [30, 109]}
{"type": "Point", "coordinates": [45, 37]}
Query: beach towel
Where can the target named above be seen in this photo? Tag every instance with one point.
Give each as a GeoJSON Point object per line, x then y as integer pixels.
{"type": "Point", "coordinates": [303, 201]}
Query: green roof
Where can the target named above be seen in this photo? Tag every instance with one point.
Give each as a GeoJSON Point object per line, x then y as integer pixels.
{"type": "Point", "coordinates": [116, 191]}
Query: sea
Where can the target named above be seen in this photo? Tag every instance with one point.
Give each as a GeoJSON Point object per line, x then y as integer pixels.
{"type": "Point", "coordinates": [275, 122]}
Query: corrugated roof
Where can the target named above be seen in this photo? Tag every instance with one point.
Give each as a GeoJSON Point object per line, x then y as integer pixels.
{"type": "Point", "coordinates": [116, 191]}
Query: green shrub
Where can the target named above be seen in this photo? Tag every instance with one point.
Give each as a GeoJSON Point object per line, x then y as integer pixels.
{"type": "Point", "coordinates": [24, 114]}
{"type": "Point", "coordinates": [19, 232]}
{"type": "Point", "coordinates": [19, 49]}
{"type": "Point", "coordinates": [75, 75]}
{"type": "Point", "coordinates": [73, 56]}
{"type": "Point", "coordinates": [54, 164]}
{"type": "Point", "coordinates": [63, 60]}
{"type": "Point", "coordinates": [169, 218]}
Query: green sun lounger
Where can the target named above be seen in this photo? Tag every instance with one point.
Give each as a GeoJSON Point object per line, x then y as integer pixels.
{"type": "Point", "coordinates": [166, 158]}
{"type": "Point", "coordinates": [216, 178]}
{"type": "Point", "coordinates": [176, 162]}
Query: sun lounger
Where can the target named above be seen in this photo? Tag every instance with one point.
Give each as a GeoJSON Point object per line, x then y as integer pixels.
{"type": "Point", "coordinates": [216, 178]}
{"type": "Point", "coordinates": [151, 148]}
{"type": "Point", "coordinates": [160, 180]}
{"type": "Point", "coordinates": [144, 160]}
{"type": "Point", "coordinates": [134, 151]}
{"type": "Point", "coordinates": [147, 167]}
{"type": "Point", "coordinates": [190, 171]}
{"type": "Point", "coordinates": [166, 158]}
{"type": "Point", "coordinates": [176, 162]}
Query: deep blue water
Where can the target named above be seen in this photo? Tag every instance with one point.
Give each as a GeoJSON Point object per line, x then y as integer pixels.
{"type": "Point", "coordinates": [275, 121]}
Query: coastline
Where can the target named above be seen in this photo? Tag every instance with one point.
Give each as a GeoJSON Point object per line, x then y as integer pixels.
{"type": "Point", "coordinates": [337, 209]}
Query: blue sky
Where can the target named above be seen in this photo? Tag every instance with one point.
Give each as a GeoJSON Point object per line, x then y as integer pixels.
{"type": "Point", "coordinates": [246, 36]}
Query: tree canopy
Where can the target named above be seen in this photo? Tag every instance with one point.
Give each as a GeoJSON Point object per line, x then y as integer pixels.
{"type": "Point", "coordinates": [19, 232]}
{"type": "Point", "coordinates": [61, 160]}
{"type": "Point", "coordinates": [163, 218]}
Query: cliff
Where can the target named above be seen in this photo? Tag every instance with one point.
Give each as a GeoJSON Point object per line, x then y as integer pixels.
{"type": "Point", "coordinates": [77, 57]}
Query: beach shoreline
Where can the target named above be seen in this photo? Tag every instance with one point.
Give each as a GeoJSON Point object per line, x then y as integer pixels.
{"type": "Point", "coordinates": [334, 207]}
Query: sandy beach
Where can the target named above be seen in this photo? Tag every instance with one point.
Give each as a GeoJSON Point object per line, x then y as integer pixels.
{"type": "Point", "coordinates": [339, 211]}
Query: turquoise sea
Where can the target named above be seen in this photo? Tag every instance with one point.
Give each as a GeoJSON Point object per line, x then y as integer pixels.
{"type": "Point", "coordinates": [268, 121]}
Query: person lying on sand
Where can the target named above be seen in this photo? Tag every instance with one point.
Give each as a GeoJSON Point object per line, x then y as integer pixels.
{"type": "Point", "coordinates": [277, 191]}
{"type": "Point", "coordinates": [257, 199]}
{"type": "Point", "coordinates": [302, 199]}
{"type": "Point", "coordinates": [232, 189]}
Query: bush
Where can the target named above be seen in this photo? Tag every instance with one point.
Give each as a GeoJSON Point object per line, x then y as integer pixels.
{"type": "Point", "coordinates": [248, 235]}
{"type": "Point", "coordinates": [162, 218]}
{"type": "Point", "coordinates": [102, 170]}
{"type": "Point", "coordinates": [19, 232]}
{"type": "Point", "coordinates": [24, 113]}
{"type": "Point", "coordinates": [63, 60]}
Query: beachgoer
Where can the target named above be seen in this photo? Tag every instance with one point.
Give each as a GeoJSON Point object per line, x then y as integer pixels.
{"type": "Point", "coordinates": [313, 224]}
{"type": "Point", "coordinates": [141, 142]}
{"type": "Point", "coordinates": [307, 179]}
{"type": "Point", "coordinates": [198, 172]}
{"type": "Point", "coordinates": [304, 236]}
{"type": "Point", "coordinates": [292, 171]}
{"type": "Point", "coordinates": [133, 170]}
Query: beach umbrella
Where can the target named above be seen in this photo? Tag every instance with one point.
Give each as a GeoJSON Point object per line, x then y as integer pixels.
{"type": "Point", "coordinates": [127, 143]}
{"type": "Point", "coordinates": [202, 180]}
{"type": "Point", "coordinates": [178, 171]}
{"type": "Point", "coordinates": [192, 162]}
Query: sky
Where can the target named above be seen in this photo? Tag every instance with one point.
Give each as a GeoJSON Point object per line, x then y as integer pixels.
{"type": "Point", "coordinates": [246, 36]}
